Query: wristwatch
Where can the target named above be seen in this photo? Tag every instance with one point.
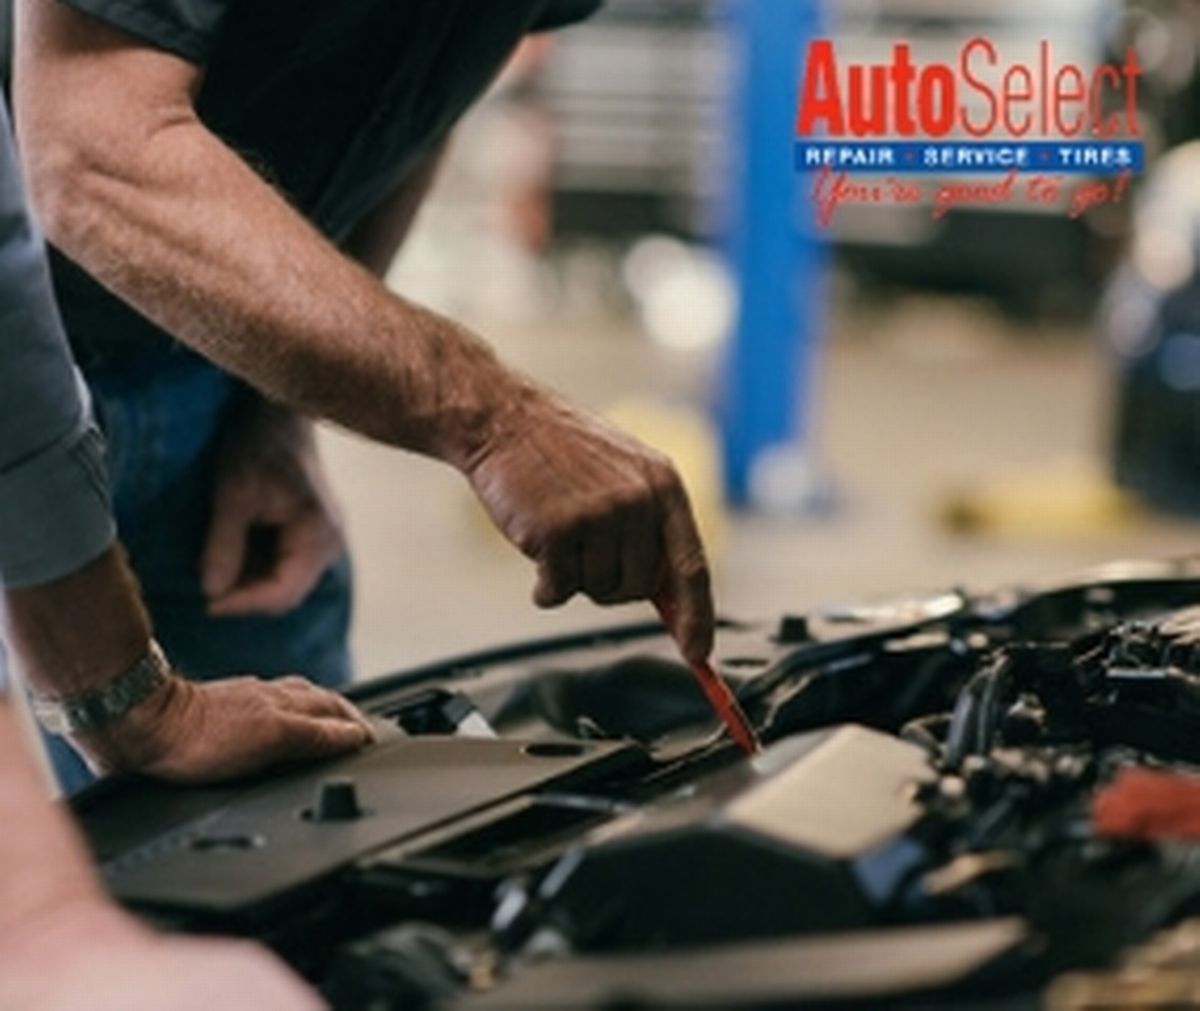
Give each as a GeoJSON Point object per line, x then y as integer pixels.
{"type": "Point", "coordinates": [94, 710]}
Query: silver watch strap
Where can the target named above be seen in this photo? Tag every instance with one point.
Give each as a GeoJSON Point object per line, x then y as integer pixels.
{"type": "Point", "coordinates": [92, 711]}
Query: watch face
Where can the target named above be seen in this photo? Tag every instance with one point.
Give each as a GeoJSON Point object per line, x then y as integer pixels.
{"type": "Point", "coordinates": [95, 711]}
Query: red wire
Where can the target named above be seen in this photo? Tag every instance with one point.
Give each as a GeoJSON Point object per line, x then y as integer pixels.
{"type": "Point", "coordinates": [715, 690]}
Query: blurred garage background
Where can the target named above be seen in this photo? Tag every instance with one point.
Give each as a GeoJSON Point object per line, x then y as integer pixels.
{"type": "Point", "coordinates": [1002, 395]}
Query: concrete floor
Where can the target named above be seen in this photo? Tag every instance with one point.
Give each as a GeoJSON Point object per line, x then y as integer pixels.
{"type": "Point", "coordinates": [916, 398]}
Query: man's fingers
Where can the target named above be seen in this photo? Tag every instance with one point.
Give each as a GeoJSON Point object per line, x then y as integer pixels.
{"type": "Point", "coordinates": [237, 726]}
{"type": "Point", "coordinates": [641, 561]}
{"type": "Point", "coordinates": [601, 561]}
{"type": "Point", "coordinates": [558, 574]}
{"type": "Point", "coordinates": [297, 570]}
{"type": "Point", "coordinates": [270, 596]}
{"type": "Point", "coordinates": [687, 576]}
{"type": "Point", "coordinates": [314, 737]}
{"type": "Point", "coordinates": [225, 551]}
{"type": "Point", "coordinates": [336, 706]}
{"type": "Point", "coordinates": [310, 699]}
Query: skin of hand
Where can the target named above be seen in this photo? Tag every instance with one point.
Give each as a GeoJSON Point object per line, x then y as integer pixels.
{"type": "Point", "coordinates": [269, 484]}
{"type": "Point", "coordinates": [131, 185]}
{"type": "Point", "coordinates": [64, 945]}
{"type": "Point", "coordinates": [76, 634]}
{"type": "Point", "coordinates": [93, 955]}
{"type": "Point", "coordinates": [220, 730]}
{"type": "Point", "coordinates": [598, 512]}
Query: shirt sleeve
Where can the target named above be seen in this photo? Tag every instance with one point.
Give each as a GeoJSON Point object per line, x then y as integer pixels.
{"type": "Point", "coordinates": [55, 513]}
{"type": "Point", "coordinates": [560, 13]}
{"type": "Point", "coordinates": [184, 27]}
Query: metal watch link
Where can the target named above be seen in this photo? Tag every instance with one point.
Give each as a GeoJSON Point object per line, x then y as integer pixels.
{"type": "Point", "coordinates": [94, 710]}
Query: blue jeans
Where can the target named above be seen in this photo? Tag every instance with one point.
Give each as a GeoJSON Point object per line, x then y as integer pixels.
{"type": "Point", "coordinates": [162, 422]}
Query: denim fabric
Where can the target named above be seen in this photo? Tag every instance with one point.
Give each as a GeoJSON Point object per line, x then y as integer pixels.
{"type": "Point", "coordinates": [162, 423]}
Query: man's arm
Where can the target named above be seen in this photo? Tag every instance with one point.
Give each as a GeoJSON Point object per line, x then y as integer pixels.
{"type": "Point", "coordinates": [63, 945]}
{"type": "Point", "coordinates": [135, 189]}
{"type": "Point", "coordinates": [72, 610]}
{"type": "Point", "coordinates": [77, 633]}
{"type": "Point", "coordinates": [267, 471]}
{"type": "Point", "coordinates": [44, 840]}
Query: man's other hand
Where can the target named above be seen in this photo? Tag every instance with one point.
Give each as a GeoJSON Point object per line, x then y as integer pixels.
{"type": "Point", "coordinates": [598, 512]}
{"type": "Point", "coordinates": [207, 732]}
{"type": "Point", "coordinates": [275, 527]}
{"type": "Point", "coordinates": [91, 955]}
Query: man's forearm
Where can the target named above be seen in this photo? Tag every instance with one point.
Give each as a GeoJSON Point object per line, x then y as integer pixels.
{"type": "Point", "coordinates": [134, 188]}
{"type": "Point", "coordinates": [202, 245]}
{"type": "Point", "coordinates": [184, 230]}
{"type": "Point", "coordinates": [107, 630]}
{"type": "Point", "coordinates": [63, 944]}
{"type": "Point", "coordinates": [76, 635]}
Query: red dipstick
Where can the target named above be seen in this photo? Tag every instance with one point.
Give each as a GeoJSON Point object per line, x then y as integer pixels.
{"type": "Point", "coordinates": [715, 690]}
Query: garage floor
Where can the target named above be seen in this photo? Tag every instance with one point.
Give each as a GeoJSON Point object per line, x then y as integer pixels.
{"type": "Point", "coordinates": [919, 397]}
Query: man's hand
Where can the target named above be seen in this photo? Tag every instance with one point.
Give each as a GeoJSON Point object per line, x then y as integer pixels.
{"type": "Point", "coordinates": [275, 527]}
{"type": "Point", "coordinates": [201, 733]}
{"type": "Point", "coordinates": [597, 511]}
{"type": "Point", "coordinates": [91, 955]}
{"type": "Point", "coordinates": [64, 945]}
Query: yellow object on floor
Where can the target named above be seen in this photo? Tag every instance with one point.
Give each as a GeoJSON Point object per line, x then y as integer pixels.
{"type": "Point", "coordinates": [1073, 500]}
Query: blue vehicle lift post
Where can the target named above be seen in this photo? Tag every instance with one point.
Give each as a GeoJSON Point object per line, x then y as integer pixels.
{"type": "Point", "coordinates": [776, 259]}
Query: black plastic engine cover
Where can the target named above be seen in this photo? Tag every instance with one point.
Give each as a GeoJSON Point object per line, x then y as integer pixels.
{"type": "Point", "coordinates": [258, 845]}
{"type": "Point", "coordinates": [810, 836]}
{"type": "Point", "coordinates": [516, 850]}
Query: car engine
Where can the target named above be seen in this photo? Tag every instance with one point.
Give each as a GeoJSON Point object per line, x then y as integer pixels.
{"type": "Point", "coordinates": [964, 801]}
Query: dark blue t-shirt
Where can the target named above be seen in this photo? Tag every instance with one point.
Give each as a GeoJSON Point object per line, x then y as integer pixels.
{"type": "Point", "coordinates": [333, 101]}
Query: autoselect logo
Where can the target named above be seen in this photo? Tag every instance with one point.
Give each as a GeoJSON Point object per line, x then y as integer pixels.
{"type": "Point", "coordinates": [1034, 121]}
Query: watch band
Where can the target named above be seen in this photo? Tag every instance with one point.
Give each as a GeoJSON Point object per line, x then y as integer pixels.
{"type": "Point", "coordinates": [94, 710]}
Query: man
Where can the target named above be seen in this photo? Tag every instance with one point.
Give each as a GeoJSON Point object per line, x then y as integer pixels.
{"type": "Point", "coordinates": [64, 946]}
{"type": "Point", "coordinates": [219, 175]}
{"type": "Point", "coordinates": [84, 639]}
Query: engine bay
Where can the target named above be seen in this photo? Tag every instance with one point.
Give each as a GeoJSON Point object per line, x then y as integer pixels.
{"type": "Point", "coordinates": [965, 800]}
